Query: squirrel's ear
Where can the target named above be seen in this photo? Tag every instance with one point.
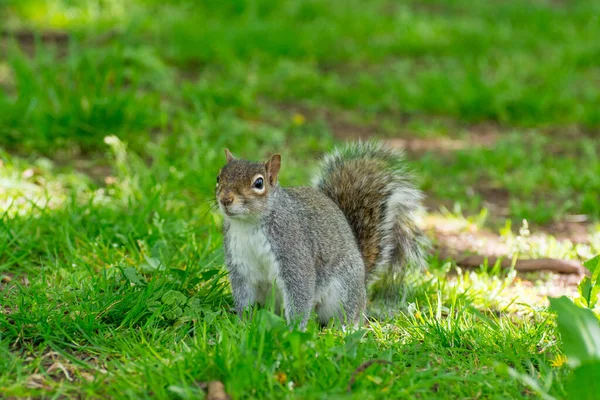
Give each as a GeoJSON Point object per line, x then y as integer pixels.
{"type": "Point", "coordinates": [273, 166]}
{"type": "Point", "coordinates": [229, 155]}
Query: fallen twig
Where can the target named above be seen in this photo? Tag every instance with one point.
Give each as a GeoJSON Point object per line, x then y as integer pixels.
{"type": "Point", "coordinates": [539, 264]}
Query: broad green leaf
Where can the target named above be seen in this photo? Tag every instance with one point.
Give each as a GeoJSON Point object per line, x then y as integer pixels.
{"type": "Point", "coordinates": [194, 304]}
{"type": "Point", "coordinates": [173, 313]}
{"type": "Point", "coordinates": [152, 264]}
{"type": "Point", "coordinates": [132, 276]}
{"type": "Point", "coordinates": [159, 249]}
{"type": "Point", "coordinates": [178, 273]}
{"type": "Point", "coordinates": [173, 297]}
{"type": "Point", "coordinates": [580, 331]}
{"type": "Point", "coordinates": [590, 294]}
{"type": "Point", "coordinates": [153, 305]}
{"type": "Point", "coordinates": [209, 273]}
{"type": "Point", "coordinates": [594, 295]}
{"type": "Point", "coordinates": [186, 392]}
{"type": "Point", "coordinates": [585, 290]}
{"type": "Point", "coordinates": [375, 379]}
{"type": "Point", "coordinates": [269, 320]}
{"type": "Point", "coordinates": [585, 382]}
{"type": "Point", "coordinates": [593, 265]}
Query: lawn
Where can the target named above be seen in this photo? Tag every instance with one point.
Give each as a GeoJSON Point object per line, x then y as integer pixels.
{"type": "Point", "coordinates": [113, 119]}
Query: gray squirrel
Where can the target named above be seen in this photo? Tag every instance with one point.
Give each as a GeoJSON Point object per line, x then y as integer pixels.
{"type": "Point", "coordinates": [320, 246]}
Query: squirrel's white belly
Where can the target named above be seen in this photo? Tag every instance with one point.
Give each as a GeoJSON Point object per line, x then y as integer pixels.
{"type": "Point", "coordinates": [252, 252]}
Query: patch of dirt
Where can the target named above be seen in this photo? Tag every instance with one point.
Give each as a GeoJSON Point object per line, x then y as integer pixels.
{"type": "Point", "coordinates": [27, 40]}
{"type": "Point", "coordinates": [9, 279]}
{"type": "Point", "coordinates": [550, 285]}
{"type": "Point", "coordinates": [495, 199]}
{"type": "Point", "coordinates": [459, 137]}
{"type": "Point", "coordinates": [6, 77]}
{"type": "Point", "coordinates": [28, 37]}
{"type": "Point", "coordinates": [53, 368]}
{"type": "Point", "coordinates": [93, 164]}
{"type": "Point", "coordinates": [444, 144]}
{"type": "Point", "coordinates": [483, 135]}
{"type": "Point", "coordinates": [338, 121]}
{"type": "Point", "coordinates": [574, 228]}
{"type": "Point", "coordinates": [99, 173]}
{"type": "Point", "coordinates": [456, 135]}
{"type": "Point", "coordinates": [572, 132]}
{"type": "Point", "coordinates": [458, 239]}
{"type": "Point", "coordinates": [462, 237]}
{"type": "Point", "coordinates": [574, 231]}
{"type": "Point", "coordinates": [533, 290]}
{"type": "Point", "coordinates": [344, 127]}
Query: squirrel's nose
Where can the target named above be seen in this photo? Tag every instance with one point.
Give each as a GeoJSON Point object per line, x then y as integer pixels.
{"type": "Point", "coordinates": [226, 200]}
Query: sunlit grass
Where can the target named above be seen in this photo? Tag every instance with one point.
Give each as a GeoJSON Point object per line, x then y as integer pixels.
{"type": "Point", "coordinates": [31, 188]}
{"type": "Point", "coordinates": [112, 275]}
{"type": "Point", "coordinates": [91, 306]}
{"type": "Point", "coordinates": [64, 14]}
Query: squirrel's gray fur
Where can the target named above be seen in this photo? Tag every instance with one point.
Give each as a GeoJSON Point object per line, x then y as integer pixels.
{"type": "Point", "coordinates": [320, 246]}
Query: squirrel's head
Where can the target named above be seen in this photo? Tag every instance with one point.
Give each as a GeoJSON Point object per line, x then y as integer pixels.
{"type": "Point", "coordinates": [243, 187]}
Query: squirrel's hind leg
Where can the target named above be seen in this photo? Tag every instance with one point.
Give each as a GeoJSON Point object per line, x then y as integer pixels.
{"type": "Point", "coordinates": [342, 301]}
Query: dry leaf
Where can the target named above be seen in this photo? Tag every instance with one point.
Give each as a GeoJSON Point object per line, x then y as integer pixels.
{"type": "Point", "coordinates": [58, 365]}
{"type": "Point", "coordinates": [38, 381]}
{"type": "Point", "coordinates": [86, 376]}
{"type": "Point", "coordinates": [216, 391]}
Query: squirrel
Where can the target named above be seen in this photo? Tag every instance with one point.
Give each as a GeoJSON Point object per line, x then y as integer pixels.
{"type": "Point", "coordinates": [318, 248]}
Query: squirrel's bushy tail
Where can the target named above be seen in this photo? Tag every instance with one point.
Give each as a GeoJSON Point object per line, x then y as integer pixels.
{"type": "Point", "coordinates": [371, 185]}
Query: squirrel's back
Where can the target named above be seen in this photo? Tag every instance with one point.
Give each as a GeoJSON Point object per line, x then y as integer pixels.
{"type": "Point", "coordinates": [323, 221]}
{"type": "Point", "coordinates": [371, 185]}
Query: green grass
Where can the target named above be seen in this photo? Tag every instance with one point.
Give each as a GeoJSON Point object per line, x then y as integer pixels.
{"type": "Point", "coordinates": [125, 291]}
{"type": "Point", "coordinates": [110, 147]}
{"type": "Point", "coordinates": [111, 262]}
{"type": "Point", "coordinates": [534, 176]}
{"type": "Point", "coordinates": [397, 67]}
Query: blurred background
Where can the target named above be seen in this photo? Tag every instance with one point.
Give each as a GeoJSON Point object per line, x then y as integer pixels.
{"type": "Point", "coordinates": [113, 119]}
{"type": "Point", "coordinates": [496, 103]}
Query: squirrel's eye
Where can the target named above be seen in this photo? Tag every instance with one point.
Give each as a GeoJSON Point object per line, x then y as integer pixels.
{"type": "Point", "coordinates": [258, 184]}
{"type": "Point", "coordinates": [217, 178]}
